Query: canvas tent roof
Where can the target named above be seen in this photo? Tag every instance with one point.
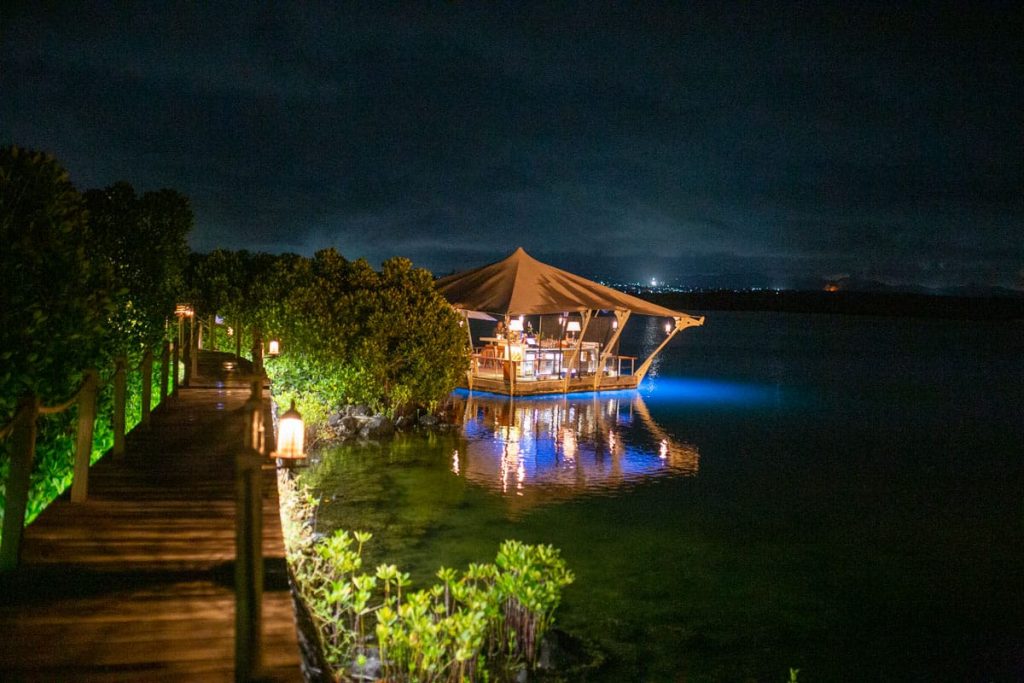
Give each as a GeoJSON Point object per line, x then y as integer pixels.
{"type": "Point", "coordinates": [521, 285]}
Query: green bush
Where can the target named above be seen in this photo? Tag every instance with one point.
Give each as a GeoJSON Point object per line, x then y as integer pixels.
{"type": "Point", "coordinates": [481, 624]}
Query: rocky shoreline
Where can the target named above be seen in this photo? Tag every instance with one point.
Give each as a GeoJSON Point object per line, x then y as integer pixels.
{"type": "Point", "coordinates": [352, 422]}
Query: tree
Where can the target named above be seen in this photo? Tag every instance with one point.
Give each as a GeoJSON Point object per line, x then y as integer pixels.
{"type": "Point", "coordinates": [143, 240]}
{"type": "Point", "coordinates": [54, 299]}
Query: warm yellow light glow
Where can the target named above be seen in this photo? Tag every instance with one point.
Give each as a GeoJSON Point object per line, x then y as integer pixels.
{"type": "Point", "coordinates": [516, 325]}
{"type": "Point", "coordinates": [615, 324]}
{"type": "Point", "coordinates": [668, 328]}
{"type": "Point", "coordinates": [573, 326]}
{"type": "Point", "coordinates": [184, 310]}
{"type": "Point", "coordinates": [273, 348]}
{"type": "Point", "coordinates": [291, 434]}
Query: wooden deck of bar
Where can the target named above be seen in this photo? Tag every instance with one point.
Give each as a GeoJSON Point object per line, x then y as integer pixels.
{"type": "Point", "coordinates": [136, 584]}
{"type": "Point", "coordinates": [549, 386]}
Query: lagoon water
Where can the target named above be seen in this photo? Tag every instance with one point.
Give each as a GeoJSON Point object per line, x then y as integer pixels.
{"type": "Point", "coordinates": [842, 495]}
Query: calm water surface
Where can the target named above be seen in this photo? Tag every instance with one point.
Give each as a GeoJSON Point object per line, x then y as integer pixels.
{"type": "Point", "coordinates": [838, 494]}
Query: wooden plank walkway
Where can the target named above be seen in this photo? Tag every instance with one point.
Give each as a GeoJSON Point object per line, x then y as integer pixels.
{"type": "Point", "coordinates": [136, 584]}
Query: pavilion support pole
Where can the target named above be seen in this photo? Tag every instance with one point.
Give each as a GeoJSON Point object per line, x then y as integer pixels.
{"type": "Point", "coordinates": [508, 363]}
{"type": "Point", "coordinates": [576, 351]}
{"type": "Point", "coordinates": [681, 324]}
{"type": "Point", "coordinates": [621, 317]}
{"type": "Point", "coordinates": [211, 328]}
{"type": "Point", "coordinates": [472, 358]}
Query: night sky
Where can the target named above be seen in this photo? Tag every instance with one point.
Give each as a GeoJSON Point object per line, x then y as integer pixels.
{"type": "Point", "coordinates": [747, 144]}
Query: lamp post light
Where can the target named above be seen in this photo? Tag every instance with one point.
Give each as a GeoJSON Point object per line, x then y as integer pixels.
{"type": "Point", "coordinates": [273, 348]}
{"type": "Point", "coordinates": [291, 435]}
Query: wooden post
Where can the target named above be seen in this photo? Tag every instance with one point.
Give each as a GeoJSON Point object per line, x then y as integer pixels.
{"type": "Point", "coordinates": [181, 350]}
{"type": "Point", "coordinates": [238, 339]}
{"type": "Point", "coordinates": [23, 449]}
{"type": "Point", "coordinates": [249, 548]}
{"type": "Point", "coordinates": [83, 447]}
{"type": "Point", "coordinates": [147, 386]}
{"type": "Point", "coordinates": [211, 332]}
{"type": "Point", "coordinates": [174, 369]}
{"type": "Point", "coordinates": [120, 391]}
{"type": "Point", "coordinates": [256, 386]}
{"type": "Point", "coordinates": [165, 368]}
{"type": "Point", "coordinates": [194, 348]}
{"type": "Point", "coordinates": [257, 350]}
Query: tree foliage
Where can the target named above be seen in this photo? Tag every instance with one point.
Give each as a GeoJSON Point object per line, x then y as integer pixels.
{"type": "Point", "coordinates": [386, 338]}
{"type": "Point", "coordinates": [54, 299]}
{"type": "Point", "coordinates": [142, 240]}
{"type": "Point", "coordinates": [351, 334]}
{"type": "Point", "coordinates": [85, 279]}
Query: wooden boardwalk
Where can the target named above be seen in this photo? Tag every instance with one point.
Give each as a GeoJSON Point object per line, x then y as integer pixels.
{"type": "Point", "coordinates": [136, 584]}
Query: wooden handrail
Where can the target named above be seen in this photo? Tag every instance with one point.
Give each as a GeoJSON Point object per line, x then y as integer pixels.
{"type": "Point", "coordinates": [22, 428]}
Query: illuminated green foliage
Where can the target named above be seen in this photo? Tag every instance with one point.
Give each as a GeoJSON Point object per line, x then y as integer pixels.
{"type": "Point", "coordinates": [85, 279]}
{"type": "Point", "coordinates": [350, 334]}
{"type": "Point", "coordinates": [485, 623]}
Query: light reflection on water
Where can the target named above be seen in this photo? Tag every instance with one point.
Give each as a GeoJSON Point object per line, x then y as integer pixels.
{"type": "Point", "coordinates": [545, 449]}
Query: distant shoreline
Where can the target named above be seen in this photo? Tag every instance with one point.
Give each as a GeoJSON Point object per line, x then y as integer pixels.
{"type": "Point", "coordinates": [847, 303]}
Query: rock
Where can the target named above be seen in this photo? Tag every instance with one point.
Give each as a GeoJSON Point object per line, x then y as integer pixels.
{"type": "Point", "coordinates": [359, 411]}
{"type": "Point", "coordinates": [429, 421]}
{"type": "Point", "coordinates": [377, 427]}
{"type": "Point", "coordinates": [404, 422]}
{"type": "Point", "coordinates": [350, 424]}
{"type": "Point", "coordinates": [334, 421]}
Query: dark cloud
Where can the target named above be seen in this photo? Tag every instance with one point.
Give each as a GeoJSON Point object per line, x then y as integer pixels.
{"type": "Point", "coordinates": [725, 139]}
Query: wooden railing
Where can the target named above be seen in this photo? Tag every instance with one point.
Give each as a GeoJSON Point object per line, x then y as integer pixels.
{"type": "Point", "coordinates": [257, 444]}
{"type": "Point", "coordinates": [22, 430]}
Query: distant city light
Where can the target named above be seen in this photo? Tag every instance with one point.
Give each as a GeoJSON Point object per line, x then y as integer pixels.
{"type": "Point", "coordinates": [654, 282]}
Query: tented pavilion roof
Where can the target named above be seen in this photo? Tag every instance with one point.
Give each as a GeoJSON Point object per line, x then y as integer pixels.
{"type": "Point", "coordinates": [521, 285]}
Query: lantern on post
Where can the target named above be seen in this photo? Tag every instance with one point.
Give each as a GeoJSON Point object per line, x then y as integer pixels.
{"type": "Point", "coordinates": [273, 348]}
{"type": "Point", "coordinates": [291, 435]}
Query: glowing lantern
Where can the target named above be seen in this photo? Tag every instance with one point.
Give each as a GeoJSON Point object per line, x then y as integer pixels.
{"type": "Point", "coordinates": [274, 348]}
{"type": "Point", "coordinates": [573, 327]}
{"type": "Point", "coordinates": [516, 325]}
{"type": "Point", "coordinates": [291, 433]}
{"type": "Point", "coordinates": [668, 328]}
{"type": "Point", "coordinates": [615, 324]}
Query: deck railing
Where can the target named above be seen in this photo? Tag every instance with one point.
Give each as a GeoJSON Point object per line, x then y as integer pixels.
{"type": "Point", "coordinates": [22, 430]}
